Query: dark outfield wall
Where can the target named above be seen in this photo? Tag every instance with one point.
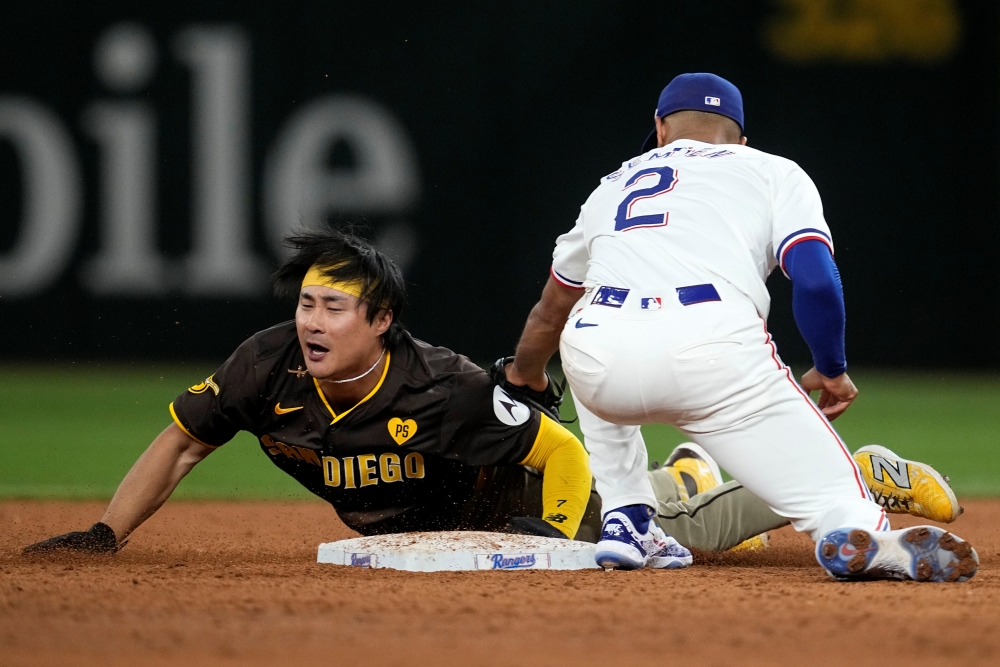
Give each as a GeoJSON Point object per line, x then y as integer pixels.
{"type": "Point", "coordinates": [150, 158]}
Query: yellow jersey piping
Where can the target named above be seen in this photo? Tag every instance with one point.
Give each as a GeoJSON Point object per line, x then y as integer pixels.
{"type": "Point", "coordinates": [336, 417]}
{"type": "Point", "coordinates": [188, 433]}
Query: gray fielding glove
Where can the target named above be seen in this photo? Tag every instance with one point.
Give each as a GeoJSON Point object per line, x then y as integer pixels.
{"type": "Point", "coordinates": [98, 539]}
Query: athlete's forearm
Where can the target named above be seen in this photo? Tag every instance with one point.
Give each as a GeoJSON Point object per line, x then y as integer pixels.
{"type": "Point", "coordinates": [152, 479]}
{"type": "Point", "coordinates": [566, 476]}
{"type": "Point", "coordinates": [540, 338]}
{"type": "Point", "coordinates": [818, 304]}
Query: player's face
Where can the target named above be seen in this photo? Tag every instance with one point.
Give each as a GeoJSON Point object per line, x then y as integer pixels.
{"type": "Point", "coordinates": [336, 337]}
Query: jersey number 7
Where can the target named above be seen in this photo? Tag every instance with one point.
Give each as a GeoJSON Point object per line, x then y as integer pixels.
{"type": "Point", "coordinates": [625, 221]}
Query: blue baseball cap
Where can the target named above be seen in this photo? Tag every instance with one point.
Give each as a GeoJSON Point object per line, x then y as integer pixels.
{"type": "Point", "coordinates": [698, 92]}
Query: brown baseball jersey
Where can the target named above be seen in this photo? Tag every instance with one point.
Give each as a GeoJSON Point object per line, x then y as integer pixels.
{"type": "Point", "coordinates": [406, 458]}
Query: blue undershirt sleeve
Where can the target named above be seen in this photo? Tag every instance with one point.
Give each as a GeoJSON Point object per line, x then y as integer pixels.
{"type": "Point", "coordinates": [818, 304]}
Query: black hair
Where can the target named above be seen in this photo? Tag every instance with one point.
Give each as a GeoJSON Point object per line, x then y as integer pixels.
{"type": "Point", "coordinates": [348, 257]}
{"type": "Point", "coordinates": [708, 117]}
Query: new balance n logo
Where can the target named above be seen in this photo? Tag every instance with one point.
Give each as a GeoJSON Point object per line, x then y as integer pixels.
{"type": "Point", "coordinates": [899, 472]}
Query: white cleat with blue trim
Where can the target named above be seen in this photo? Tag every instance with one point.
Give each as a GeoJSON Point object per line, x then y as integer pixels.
{"type": "Point", "coordinates": [671, 556]}
{"type": "Point", "coordinates": [622, 547]}
{"type": "Point", "coordinates": [923, 553]}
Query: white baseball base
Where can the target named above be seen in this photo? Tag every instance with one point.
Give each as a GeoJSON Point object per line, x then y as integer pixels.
{"type": "Point", "coordinates": [459, 550]}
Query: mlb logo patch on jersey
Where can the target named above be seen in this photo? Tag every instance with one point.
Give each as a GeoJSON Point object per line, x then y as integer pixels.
{"type": "Point", "coordinates": [651, 303]}
{"type": "Point", "coordinates": [713, 101]}
{"type": "Point", "coordinates": [610, 296]}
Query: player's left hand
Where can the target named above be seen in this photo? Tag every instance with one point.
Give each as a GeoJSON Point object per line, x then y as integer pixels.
{"type": "Point", "coordinates": [98, 539]}
{"type": "Point", "coordinates": [836, 394]}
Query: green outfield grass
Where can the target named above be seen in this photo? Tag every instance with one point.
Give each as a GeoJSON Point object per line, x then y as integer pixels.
{"type": "Point", "coordinates": [74, 431]}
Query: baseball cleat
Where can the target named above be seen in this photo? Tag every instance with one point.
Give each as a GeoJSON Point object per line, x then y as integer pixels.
{"type": "Point", "coordinates": [923, 553]}
{"type": "Point", "coordinates": [694, 470]}
{"type": "Point", "coordinates": [672, 554]}
{"type": "Point", "coordinates": [756, 543]}
{"type": "Point", "coordinates": [907, 487]}
{"type": "Point", "coordinates": [622, 547]}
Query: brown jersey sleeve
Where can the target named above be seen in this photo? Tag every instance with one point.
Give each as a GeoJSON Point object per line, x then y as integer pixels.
{"type": "Point", "coordinates": [228, 401]}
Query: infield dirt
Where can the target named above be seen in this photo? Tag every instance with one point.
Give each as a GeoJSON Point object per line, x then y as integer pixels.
{"type": "Point", "coordinates": [211, 583]}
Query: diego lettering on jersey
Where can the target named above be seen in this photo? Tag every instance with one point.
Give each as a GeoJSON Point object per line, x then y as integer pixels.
{"type": "Point", "coordinates": [356, 472]}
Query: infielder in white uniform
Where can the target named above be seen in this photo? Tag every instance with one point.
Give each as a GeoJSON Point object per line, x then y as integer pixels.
{"type": "Point", "coordinates": [657, 304]}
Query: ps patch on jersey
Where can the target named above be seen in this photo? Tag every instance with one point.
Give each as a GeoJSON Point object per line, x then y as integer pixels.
{"type": "Point", "coordinates": [508, 410]}
{"type": "Point", "coordinates": [400, 430]}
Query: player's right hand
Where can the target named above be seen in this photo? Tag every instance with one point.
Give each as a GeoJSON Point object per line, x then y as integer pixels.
{"type": "Point", "coordinates": [98, 539]}
{"type": "Point", "coordinates": [836, 394]}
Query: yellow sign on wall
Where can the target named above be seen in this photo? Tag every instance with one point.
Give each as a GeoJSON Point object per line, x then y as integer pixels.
{"type": "Point", "coordinates": [864, 30]}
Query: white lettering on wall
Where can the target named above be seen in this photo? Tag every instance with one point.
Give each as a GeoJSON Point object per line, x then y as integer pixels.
{"type": "Point", "coordinates": [300, 189]}
{"type": "Point", "coordinates": [128, 261]}
{"type": "Point", "coordinates": [125, 57]}
{"type": "Point", "coordinates": [50, 223]}
{"type": "Point", "coordinates": [222, 261]}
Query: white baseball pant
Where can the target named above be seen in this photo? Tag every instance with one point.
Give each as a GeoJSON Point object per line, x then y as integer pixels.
{"type": "Point", "coordinates": [711, 370]}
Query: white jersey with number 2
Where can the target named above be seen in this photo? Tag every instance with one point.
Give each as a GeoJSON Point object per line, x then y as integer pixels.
{"type": "Point", "coordinates": [690, 213]}
{"type": "Point", "coordinates": [673, 250]}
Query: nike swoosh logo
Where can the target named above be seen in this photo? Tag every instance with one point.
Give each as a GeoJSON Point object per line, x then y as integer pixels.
{"type": "Point", "coordinates": [278, 410]}
{"type": "Point", "coordinates": [581, 324]}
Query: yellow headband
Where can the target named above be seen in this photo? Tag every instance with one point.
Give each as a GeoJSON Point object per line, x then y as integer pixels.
{"type": "Point", "coordinates": [316, 276]}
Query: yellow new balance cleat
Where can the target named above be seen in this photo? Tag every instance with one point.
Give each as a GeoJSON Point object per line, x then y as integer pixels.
{"type": "Point", "coordinates": [757, 543]}
{"type": "Point", "coordinates": [693, 469]}
{"type": "Point", "coordinates": [907, 487]}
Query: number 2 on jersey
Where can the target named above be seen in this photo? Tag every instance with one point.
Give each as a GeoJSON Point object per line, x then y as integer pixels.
{"type": "Point", "coordinates": [625, 221]}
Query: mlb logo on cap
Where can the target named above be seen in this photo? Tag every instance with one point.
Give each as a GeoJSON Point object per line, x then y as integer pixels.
{"type": "Point", "coordinates": [713, 101]}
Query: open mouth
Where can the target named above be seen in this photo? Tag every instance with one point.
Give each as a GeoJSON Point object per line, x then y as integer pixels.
{"type": "Point", "coordinates": [316, 351]}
